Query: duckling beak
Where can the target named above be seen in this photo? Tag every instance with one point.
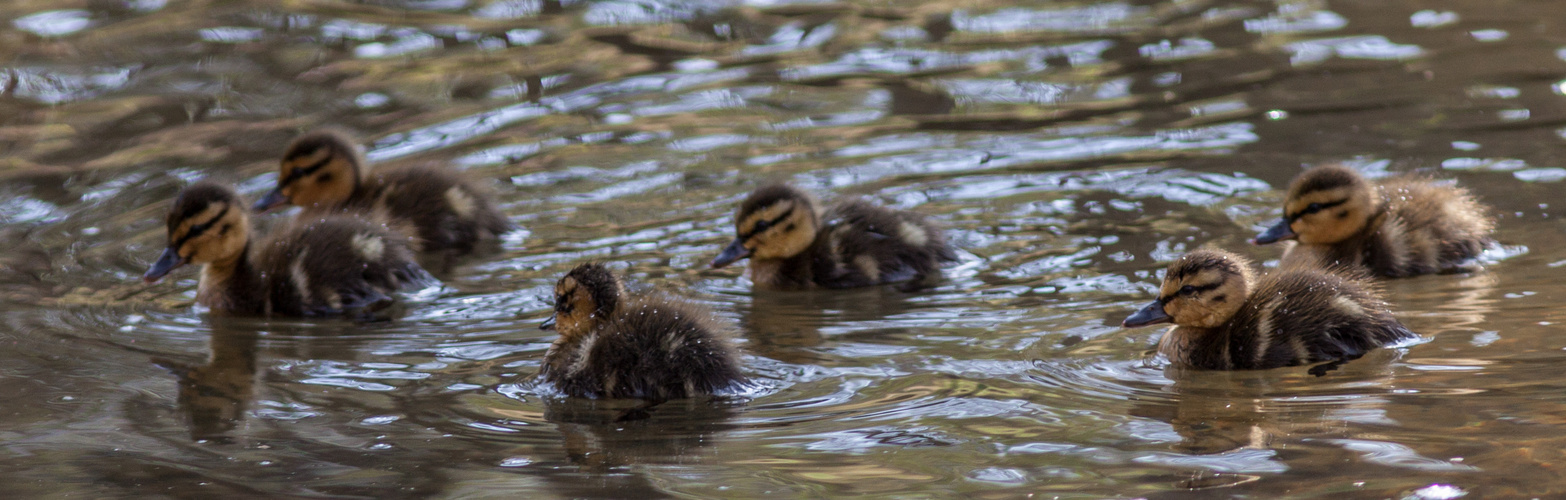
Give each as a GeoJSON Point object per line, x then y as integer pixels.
{"type": "Point", "coordinates": [734, 252]}
{"type": "Point", "coordinates": [273, 199]}
{"type": "Point", "coordinates": [166, 262]}
{"type": "Point", "coordinates": [1150, 314]}
{"type": "Point", "coordinates": [1278, 232]}
{"type": "Point", "coordinates": [548, 324]}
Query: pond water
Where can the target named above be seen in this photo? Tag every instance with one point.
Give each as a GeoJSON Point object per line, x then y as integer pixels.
{"type": "Point", "coordinates": [1070, 149]}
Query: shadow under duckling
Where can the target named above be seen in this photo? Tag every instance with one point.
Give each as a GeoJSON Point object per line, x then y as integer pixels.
{"type": "Point", "coordinates": [1228, 319]}
{"type": "Point", "coordinates": [323, 266]}
{"type": "Point", "coordinates": [1402, 226]}
{"type": "Point", "coordinates": [324, 171]}
{"type": "Point", "coordinates": [615, 346]}
{"type": "Point", "coordinates": [793, 244]}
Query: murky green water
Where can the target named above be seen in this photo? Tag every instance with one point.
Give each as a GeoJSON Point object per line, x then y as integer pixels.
{"type": "Point", "coordinates": [1070, 148]}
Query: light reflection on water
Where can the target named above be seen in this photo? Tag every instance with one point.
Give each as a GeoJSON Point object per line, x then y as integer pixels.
{"type": "Point", "coordinates": [1070, 150]}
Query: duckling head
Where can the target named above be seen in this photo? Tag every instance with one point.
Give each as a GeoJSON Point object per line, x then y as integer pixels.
{"type": "Point", "coordinates": [1325, 205]}
{"type": "Point", "coordinates": [774, 222]}
{"type": "Point", "coordinates": [319, 169]}
{"type": "Point", "coordinates": [585, 296]}
{"type": "Point", "coordinates": [1201, 289]}
{"type": "Point", "coordinates": [207, 225]}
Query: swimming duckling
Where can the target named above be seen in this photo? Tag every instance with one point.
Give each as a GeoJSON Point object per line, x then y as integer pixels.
{"type": "Point", "coordinates": [324, 171]}
{"type": "Point", "coordinates": [614, 346]}
{"type": "Point", "coordinates": [792, 244]}
{"type": "Point", "coordinates": [1403, 226]}
{"type": "Point", "coordinates": [1227, 319]}
{"type": "Point", "coordinates": [323, 266]}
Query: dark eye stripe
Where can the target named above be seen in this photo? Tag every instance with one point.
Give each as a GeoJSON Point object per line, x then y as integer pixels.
{"type": "Point", "coordinates": [1296, 215]}
{"type": "Point", "coordinates": [1194, 290]}
{"type": "Point", "coordinates": [300, 173]}
{"type": "Point", "coordinates": [197, 229]}
{"type": "Point", "coordinates": [759, 226]}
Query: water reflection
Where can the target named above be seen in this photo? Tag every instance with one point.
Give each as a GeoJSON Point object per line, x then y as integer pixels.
{"type": "Point", "coordinates": [214, 397]}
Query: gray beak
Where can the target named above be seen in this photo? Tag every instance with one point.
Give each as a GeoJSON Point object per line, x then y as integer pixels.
{"type": "Point", "coordinates": [1278, 232]}
{"type": "Point", "coordinates": [734, 252]}
{"type": "Point", "coordinates": [1150, 314]}
{"type": "Point", "coordinates": [166, 262]}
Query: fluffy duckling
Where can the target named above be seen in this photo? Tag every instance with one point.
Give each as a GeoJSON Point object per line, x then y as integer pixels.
{"type": "Point", "coordinates": [793, 244]}
{"type": "Point", "coordinates": [1403, 226]}
{"type": "Point", "coordinates": [324, 171]}
{"type": "Point", "coordinates": [325, 266]}
{"type": "Point", "coordinates": [615, 346]}
{"type": "Point", "coordinates": [1227, 319]}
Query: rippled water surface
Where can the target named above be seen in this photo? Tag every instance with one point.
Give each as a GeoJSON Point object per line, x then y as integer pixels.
{"type": "Point", "coordinates": [1070, 147]}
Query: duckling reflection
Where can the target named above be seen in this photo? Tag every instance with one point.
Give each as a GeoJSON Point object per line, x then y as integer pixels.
{"type": "Point", "coordinates": [324, 172]}
{"type": "Point", "coordinates": [601, 435]}
{"type": "Point", "coordinates": [1216, 412]}
{"type": "Point", "coordinates": [324, 266]}
{"type": "Point", "coordinates": [1401, 226]}
{"type": "Point", "coordinates": [786, 326]}
{"type": "Point", "coordinates": [1227, 319]}
{"type": "Point", "coordinates": [214, 396]}
{"type": "Point", "coordinates": [793, 244]}
{"type": "Point", "coordinates": [613, 345]}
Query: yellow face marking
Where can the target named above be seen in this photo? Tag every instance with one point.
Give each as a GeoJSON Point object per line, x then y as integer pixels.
{"type": "Point", "coordinates": [216, 234]}
{"type": "Point", "coordinates": [1328, 216]}
{"type": "Point", "coordinates": [777, 231]}
{"type": "Point", "coordinates": [318, 179]}
{"type": "Point", "coordinates": [574, 308]}
{"type": "Point", "coordinates": [1206, 300]}
{"type": "Point", "coordinates": [768, 213]}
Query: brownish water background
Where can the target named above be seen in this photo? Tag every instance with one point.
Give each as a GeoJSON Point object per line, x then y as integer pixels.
{"type": "Point", "coordinates": [1070, 147]}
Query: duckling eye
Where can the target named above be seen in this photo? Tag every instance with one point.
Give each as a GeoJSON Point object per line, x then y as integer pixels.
{"type": "Point", "coordinates": [1312, 208]}
{"type": "Point", "coordinates": [1188, 289]}
{"type": "Point", "coordinates": [761, 225]}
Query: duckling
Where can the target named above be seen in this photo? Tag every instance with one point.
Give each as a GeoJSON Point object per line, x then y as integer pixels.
{"type": "Point", "coordinates": [324, 171]}
{"type": "Point", "coordinates": [318, 267]}
{"type": "Point", "coordinates": [792, 244]}
{"type": "Point", "coordinates": [613, 346]}
{"type": "Point", "coordinates": [1403, 226]}
{"type": "Point", "coordinates": [1227, 319]}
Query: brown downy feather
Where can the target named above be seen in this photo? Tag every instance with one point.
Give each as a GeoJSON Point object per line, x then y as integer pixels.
{"type": "Point", "coordinates": [324, 266]}
{"type": "Point", "coordinates": [613, 346]}
{"type": "Point", "coordinates": [324, 171]}
{"type": "Point", "coordinates": [1226, 320]}
{"type": "Point", "coordinates": [792, 244]}
{"type": "Point", "coordinates": [333, 264]}
{"type": "Point", "coordinates": [1402, 226]}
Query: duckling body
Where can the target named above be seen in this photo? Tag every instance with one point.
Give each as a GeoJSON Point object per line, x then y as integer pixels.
{"type": "Point", "coordinates": [322, 266]}
{"type": "Point", "coordinates": [615, 346]}
{"type": "Point", "coordinates": [324, 172]}
{"type": "Point", "coordinates": [793, 244]}
{"type": "Point", "coordinates": [1403, 226]}
{"type": "Point", "coordinates": [1226, 319]}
